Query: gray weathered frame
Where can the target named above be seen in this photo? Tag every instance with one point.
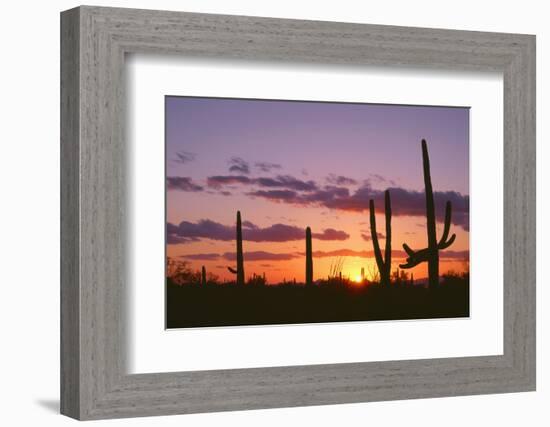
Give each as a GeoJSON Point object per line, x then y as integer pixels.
{"type": "Point", "coordinates": [94, 42]}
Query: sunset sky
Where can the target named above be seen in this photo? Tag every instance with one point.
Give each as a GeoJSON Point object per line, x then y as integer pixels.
{"type": "Point", "coordinates": [287, 165]}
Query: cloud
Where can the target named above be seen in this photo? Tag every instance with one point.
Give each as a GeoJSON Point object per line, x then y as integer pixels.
{"type": "Point", "coordinates": [319, 197]}
{"type": "Point", "coordinates": [187, 232]}
{"type": "Point", "coordinates": [248, 224]}
{"type": "Point", "coordinates": [280, 181]}
{"type": "Point", "coordinates": [349, 253]}
{"type": "Point", "coordinates": [284, 196]}
{"type": "Point", "coordinates": [380, 179]}
{"type": "Point", "coordinates": [286, 181]}
{"type": "Point", "coordinates": [367, 236]}
{"type": "Point", "coordinates": [331, 234]}
{"type": "Point", "coordinates": [267, 166]}
{"type": "Point", "coordinates": [173, 238]}
{"type": "Point", "coordinates": [404, 202]}
{"type": "Point", "coordinates": [237, 164]}
{"type": "Point", "coordinates": [201, 257]}
{"type": "Point", "coordinates": [185, 157]}
{"type": "Point", "coordinates": [218, 181]}
{"type": "Point", "coordinates": [182, 183]}
{"type": "Point", "coordinates": [261, 256]}
{"type": "Point", "coordinates": [340, 180]}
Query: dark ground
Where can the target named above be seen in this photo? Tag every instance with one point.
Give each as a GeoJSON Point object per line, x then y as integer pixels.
{"type": "Point", "coordinates": [230, 305]}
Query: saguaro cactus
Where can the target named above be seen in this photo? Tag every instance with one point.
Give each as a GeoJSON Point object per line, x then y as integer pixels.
{"type": "Point", "coordinates": [203, 276]}
{"type": "Point", "coordinates": [431, 253]}
{"type": "Point", "coordinates": [384, 265]}
{"type": "Point", "coordinates": [309, 258]}
{"type": "Point", "coordinates": [240, 259]}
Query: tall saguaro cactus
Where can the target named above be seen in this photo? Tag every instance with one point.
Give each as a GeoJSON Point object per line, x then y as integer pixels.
{"type": "Point", "coordinates": [384, 264]}
{"type": "Point", "coordinates": [431, 253]}
{"type": "Point", "coordinates": [309, 258]}
{"type": "Point", "coordinates": [240, 259]}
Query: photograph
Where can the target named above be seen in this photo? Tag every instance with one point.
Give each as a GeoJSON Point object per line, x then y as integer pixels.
{"type": "Point", "coordinates": [291, 212]}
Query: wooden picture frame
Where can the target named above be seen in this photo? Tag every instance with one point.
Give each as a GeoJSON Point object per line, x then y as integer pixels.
{"type": "Point", "coordinates": [94, 382]}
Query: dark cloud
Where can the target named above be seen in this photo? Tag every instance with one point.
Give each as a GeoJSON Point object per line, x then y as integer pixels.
{"type": "Point", "coordinates": [206, 229]}
{"type": "Point", "coordinates": [352, 253]}
{"type": "Point", "coordinates": [284, 196]}
{"type": "Point", "coordinates": [367, 236]}
{"type": "Point", "coordinates": [185, 157]}
{"type": "Point", "coordinates": [262, 256]}
{"type": "Point", "coordinates": [331, 234]}
{"type": "Point", "coordinates": [340, 180]}
{"type": "Point", "coordinates": [236, 164]}
{"type": "Point", "coordinates": [182, 183]}
{"type": "Point", "coordinates": [203, 229]}
{"type": "Point", "coordinates": [201, 257]}
{"type": "Point", "coordinates": [379, 179]}
{"type": "Point", "coordinates": [267, 166]}
{"type": "Point", "coordinates": [218, 181]}
{"type": "Point", "coordinates": [286, 181]}
{"type": "Point", "coordinates": [404, 202]}
{"type": "Point", "coordinates": [280, 181]}
{"type": "Point", "coordinates": [248, 224]}
{"type": "Point", "coordinates": [174, 239]}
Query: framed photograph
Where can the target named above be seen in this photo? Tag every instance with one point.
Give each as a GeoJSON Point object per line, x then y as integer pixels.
{"type": "Point", "coordinates": [263, 213]}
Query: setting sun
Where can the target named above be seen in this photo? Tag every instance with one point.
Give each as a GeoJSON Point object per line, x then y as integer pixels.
{"type": "Point", "coordinates": [357, 279]}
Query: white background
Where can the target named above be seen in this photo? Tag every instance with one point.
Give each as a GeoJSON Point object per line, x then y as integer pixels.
{"type": "Point", "coordinates": [152, 349]}
{"type": "Point", "coordinates": [29, 225]}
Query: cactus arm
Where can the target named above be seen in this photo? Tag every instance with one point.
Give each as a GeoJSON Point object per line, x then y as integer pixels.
{"type": "Point", "coordinates": [417, 258]}
{"type": "Point", "coordinates": [445, 245]}
{"type": "Point", "coordinates": [447, 224]}
{"type": "Point", "coordinates": [408, 249]}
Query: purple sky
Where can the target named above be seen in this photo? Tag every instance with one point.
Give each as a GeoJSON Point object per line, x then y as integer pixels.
{"type": "Point", "coordinates": [285, 147]}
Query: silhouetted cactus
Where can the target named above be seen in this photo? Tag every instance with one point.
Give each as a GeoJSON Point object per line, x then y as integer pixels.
{"type": "Point", "coordinates": [309, 258]}
{"type": "Point", "coordinates": [431, 253]}
{"type": "Point", "coordinates": [384, 265]}
{"type": "Point", "coordinates": [240, 259]}
{"type": "Point", "coordinates": [203, 276]}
